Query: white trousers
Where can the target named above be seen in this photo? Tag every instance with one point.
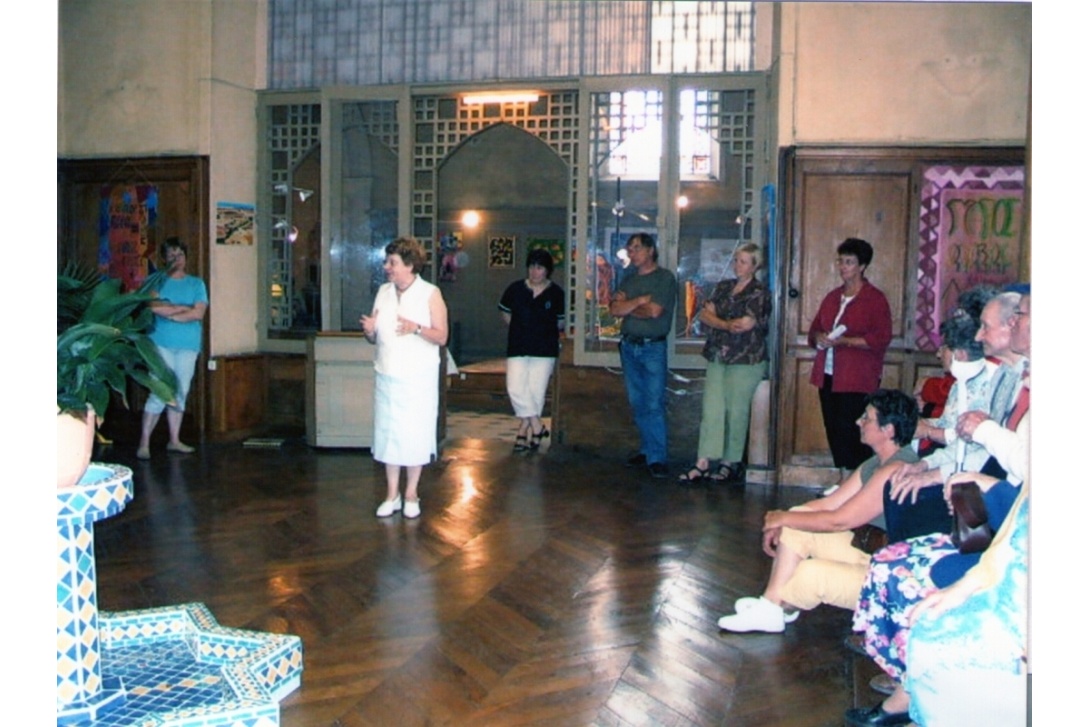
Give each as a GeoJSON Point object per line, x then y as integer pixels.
{"type": "Point", "coordinates": [527, 383]}
{"type": "Point", "coordinates": [183, 363]}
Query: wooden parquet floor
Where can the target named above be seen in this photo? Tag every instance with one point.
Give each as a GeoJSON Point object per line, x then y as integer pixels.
{"type": "Point", "coordinates": [549, 589]}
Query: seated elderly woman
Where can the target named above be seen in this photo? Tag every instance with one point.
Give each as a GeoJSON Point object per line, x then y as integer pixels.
{"type": "Point", "coordinates": [962, 358]}
{"type": "Point", "coordinates": [900, 575]}
{"type": "Point", "coordinates": [962, 355]}
{"type": "Point", "coordinates": [967, 644]}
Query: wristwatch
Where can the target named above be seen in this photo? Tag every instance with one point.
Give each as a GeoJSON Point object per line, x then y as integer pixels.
{"type": "Point", "coordinates": [418, 329]}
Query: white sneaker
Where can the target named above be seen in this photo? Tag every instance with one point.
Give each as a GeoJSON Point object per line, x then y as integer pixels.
{"type": "Point", "coordinates": [747, 602]}
{"type": "Point", "coordinates": [760, 616]}
{"type": "Point", "coordinates": [389, 507]}
{"type": "Point", "coordinates": [412, 509]}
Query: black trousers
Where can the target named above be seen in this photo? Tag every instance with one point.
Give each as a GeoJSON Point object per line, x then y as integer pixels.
{"type": "Point", "coordinates": [840, 410]}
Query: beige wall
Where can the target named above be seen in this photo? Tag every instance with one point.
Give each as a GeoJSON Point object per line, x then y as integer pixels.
{"type": "Point", "coordinates": [903, 73]}
{"type": "Point", "coordinates": [146, 77]}
{"type": "Point", "coordinates": [238, 67]}
{"type": "Point", "coordinates": [165, 77]}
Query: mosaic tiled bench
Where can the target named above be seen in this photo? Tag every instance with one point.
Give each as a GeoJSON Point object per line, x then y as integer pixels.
{"type": "Point", "coordinates": [171, 666]}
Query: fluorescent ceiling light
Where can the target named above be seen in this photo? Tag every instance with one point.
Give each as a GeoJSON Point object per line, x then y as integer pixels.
{"type": "Point", "coordinates": [471, 99]}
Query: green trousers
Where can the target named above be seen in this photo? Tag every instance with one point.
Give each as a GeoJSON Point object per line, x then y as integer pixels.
{"type": "Point", "coordinates": [724, 420]}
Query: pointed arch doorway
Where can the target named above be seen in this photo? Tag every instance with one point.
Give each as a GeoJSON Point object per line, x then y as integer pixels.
{"type": "Point", "coordinates": [518, 188]}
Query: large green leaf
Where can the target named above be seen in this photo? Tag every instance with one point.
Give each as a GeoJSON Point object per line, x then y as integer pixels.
{"type": "Point", "coordinates": [108, 343]}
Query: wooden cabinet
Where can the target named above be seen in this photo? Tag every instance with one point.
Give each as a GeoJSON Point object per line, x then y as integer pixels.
{"type": "Point", "coordinates": [340, 390]}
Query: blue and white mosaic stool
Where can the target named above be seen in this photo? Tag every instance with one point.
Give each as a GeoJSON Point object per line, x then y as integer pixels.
{"type": "Point", "coordinates": [173, 665]}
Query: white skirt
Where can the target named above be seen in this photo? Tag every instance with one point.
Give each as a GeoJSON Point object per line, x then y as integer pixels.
{"type": "Point", "coordinates": [406, 416]}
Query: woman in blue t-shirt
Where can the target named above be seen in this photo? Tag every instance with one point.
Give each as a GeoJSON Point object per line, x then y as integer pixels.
{"type": "Point", "coordinates": [182, 301]}
{"type": "Point", "coordinates": [533, 310]}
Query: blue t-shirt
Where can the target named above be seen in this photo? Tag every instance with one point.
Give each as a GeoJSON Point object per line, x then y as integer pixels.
{"type": "Point", "coordinates": [186, 336]}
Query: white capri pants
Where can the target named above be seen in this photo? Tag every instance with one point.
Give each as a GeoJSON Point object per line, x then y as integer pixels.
{"type": "Point", "coordinates": [527, 383]}
{"type": "Point", "coordinates": [183, 362]}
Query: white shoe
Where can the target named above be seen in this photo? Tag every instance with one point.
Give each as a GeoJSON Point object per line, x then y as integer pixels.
{"type": "Point", "coordinates": [412, 509]}
{"type": "Point", "coordinates": [181, 447]}
{"type": "Point", "coordinates": [747, 602]}
{"type": "Point", "coordinates": [143, 453]}
{"type": "Point", "coordinates": [760, 616]}
{"type": "Point", "coordinates": [389, 507]}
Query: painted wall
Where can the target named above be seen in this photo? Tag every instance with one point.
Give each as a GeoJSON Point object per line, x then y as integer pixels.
{"type": "Point", "coordinates": [903, 73]}
{"type": "Point", "coordinates": [169, 77]}
{"type": "Point", "coordinates": [161, 77]}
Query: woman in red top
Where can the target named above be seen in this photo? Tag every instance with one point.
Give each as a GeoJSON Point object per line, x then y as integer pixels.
{"type": "Point", "coordinates": [851, 332]}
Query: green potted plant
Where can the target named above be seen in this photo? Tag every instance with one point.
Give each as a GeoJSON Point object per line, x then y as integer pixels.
{"type": "Point", "coordinates": [102, 343]}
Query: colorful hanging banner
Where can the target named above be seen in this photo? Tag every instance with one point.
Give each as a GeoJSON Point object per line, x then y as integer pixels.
{"type": "Point", "coordinates": [127, 212]}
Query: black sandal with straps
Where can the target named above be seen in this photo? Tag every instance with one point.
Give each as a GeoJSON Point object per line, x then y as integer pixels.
{"type": "Point", "coordinates": [520, 443]}
{"type": "Point", "coordinates": [536, 437]}
{"type": "Point", "coordinates": [694, 477]}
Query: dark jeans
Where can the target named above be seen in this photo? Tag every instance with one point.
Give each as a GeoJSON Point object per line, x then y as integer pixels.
{"type": "Point", "coordinates": [840, 410]}
{"type": "Point", "coordinates": [645, 381]}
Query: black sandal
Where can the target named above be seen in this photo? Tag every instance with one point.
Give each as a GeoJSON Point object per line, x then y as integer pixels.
{"type": "Point", "coordinates": [535, 438]}
{"type": "Point", "coordinates": [520, 443]}
{"type": "Point", "coordinates": [722, 473]}
{"type": "Point", "coordinates": [728, 472]}
{"type": "Point", "coordinates": [695, 476]}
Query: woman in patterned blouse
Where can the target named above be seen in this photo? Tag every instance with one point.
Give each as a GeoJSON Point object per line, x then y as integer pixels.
{"type": "Point", "coordinates": [736, 316]}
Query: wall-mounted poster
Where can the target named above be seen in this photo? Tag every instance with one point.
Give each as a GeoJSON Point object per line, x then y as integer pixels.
{"type": "Point", "coordinates": [127, 214]}
{"type": "Point", "coordinates": [501, 251]}
{"type": "Point", "coordinates": [970, 234]}
{"type": "Point", "coordinates": [234, 223]}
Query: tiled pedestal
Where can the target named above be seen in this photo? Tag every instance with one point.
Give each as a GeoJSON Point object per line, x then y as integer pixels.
{"type": "Point", "coordinates": [173, 665]}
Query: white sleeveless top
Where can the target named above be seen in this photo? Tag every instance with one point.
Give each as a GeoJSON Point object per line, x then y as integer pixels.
{"type": "Point", "coordinates": [408, 356]}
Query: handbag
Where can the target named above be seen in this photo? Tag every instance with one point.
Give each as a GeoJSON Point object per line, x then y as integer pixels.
{"type": "Point", "coordinates": [972, 534]}
{"type": "Point", "coordinates": [869, 539]}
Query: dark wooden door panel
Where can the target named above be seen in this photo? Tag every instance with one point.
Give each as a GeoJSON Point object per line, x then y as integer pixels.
{"type": "Point", "coordinates": [181, 185]}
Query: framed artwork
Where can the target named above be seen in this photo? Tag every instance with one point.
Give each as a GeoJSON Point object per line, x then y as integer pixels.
{"type": "Point", "coordinates": [234, 223]}
{"type": "Point", "coordinates": [970, 229]}
{"type": "Point", "coordinates": [552, 246]}
{"type": "Point", "coordinates": [501, 251]}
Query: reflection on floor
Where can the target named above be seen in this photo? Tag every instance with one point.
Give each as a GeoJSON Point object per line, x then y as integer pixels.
{"type": "Point", "coordinates": [486, 425]}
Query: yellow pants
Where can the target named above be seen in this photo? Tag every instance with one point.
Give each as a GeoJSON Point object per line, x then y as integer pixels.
{"type": "Point", "coordinates": [832, 572]}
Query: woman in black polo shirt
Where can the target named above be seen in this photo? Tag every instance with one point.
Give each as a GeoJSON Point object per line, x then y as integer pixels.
{"type": "Point", "coordinates": [533, 310]}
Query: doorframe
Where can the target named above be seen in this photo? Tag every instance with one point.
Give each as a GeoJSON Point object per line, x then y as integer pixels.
{"type": "Point", "coordinates": [191, 172]}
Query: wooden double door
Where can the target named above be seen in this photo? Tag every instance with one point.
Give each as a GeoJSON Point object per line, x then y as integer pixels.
{"type": "Point", "coordinates": [831, 194]}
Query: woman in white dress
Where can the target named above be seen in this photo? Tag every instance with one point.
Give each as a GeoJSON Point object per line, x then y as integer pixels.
{"type": "Point", "coordinates": [408, 324]}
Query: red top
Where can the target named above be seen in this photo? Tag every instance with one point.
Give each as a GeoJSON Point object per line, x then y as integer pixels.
{"type": "Point", "coordinates": [935, 392]}
{"type": "Point", "coordinates": [867, 317]}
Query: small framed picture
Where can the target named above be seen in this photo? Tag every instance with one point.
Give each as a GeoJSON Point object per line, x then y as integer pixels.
{"type": "Point", "coordinates": [501, 251]}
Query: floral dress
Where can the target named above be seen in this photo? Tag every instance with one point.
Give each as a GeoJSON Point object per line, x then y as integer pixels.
{"type": "Point", "coordinates": [904, 573]}
{"type": "Point", "coordinates": [967, 666]}
{"type": "Point", "coordinates": [899, 577]}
